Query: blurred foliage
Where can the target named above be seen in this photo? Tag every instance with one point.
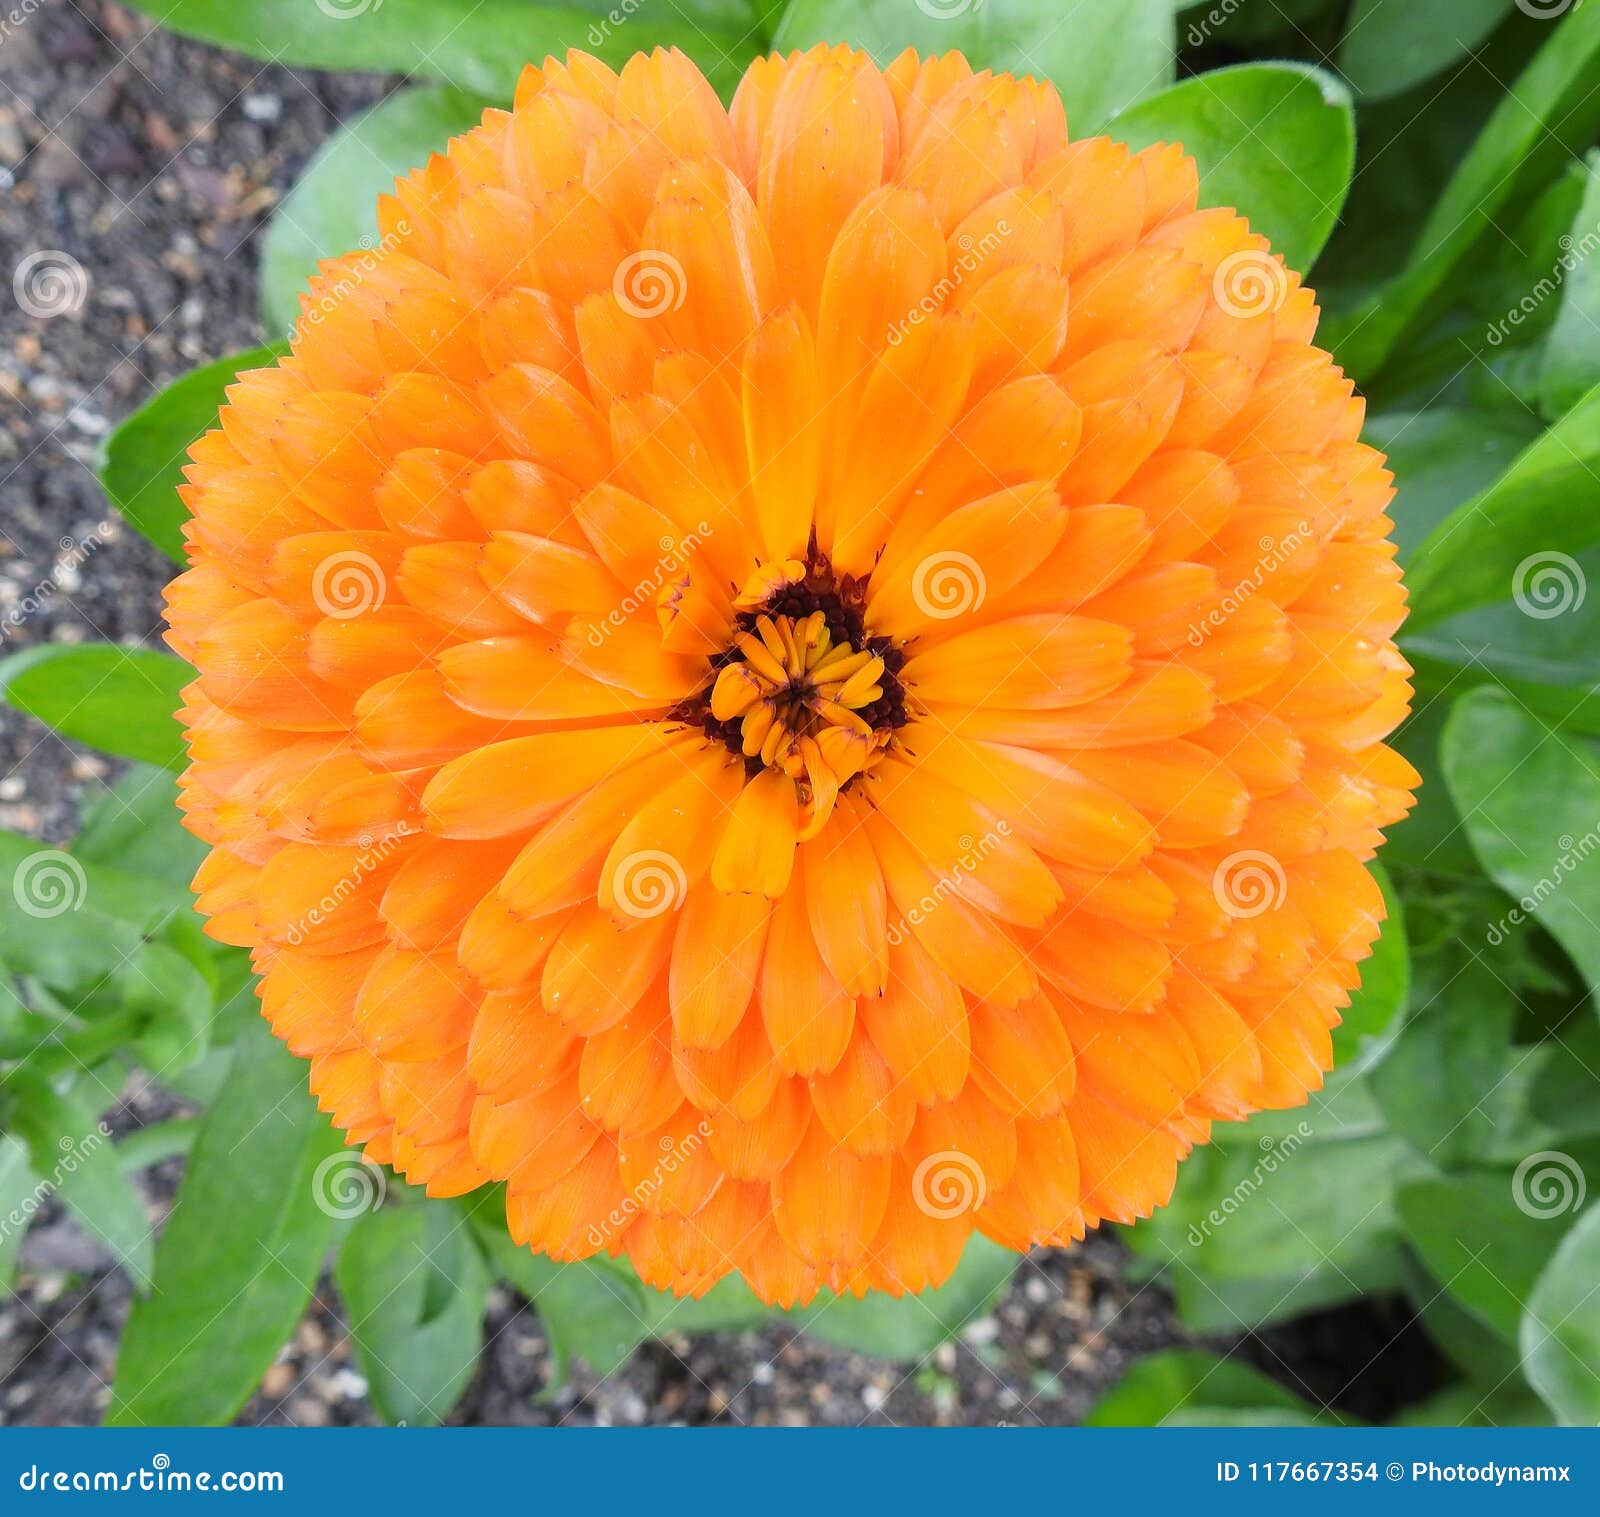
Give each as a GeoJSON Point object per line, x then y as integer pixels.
{"type": "Point", "coordinates": [1452, 1158]}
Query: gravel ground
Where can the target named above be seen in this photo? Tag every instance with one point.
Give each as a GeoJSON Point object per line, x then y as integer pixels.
{"type": "Point", "coordinates": [154, 162]}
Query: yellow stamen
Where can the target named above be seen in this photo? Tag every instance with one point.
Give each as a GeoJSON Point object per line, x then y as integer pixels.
{"type": "Point", "coordinates": [798, 694]}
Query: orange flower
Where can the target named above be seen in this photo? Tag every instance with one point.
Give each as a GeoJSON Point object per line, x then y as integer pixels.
{"type": "Point", "coordinates": [796, 681]}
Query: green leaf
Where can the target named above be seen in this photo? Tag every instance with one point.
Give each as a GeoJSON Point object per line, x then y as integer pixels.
{"type": "Point", "coordinates": [730, 1306]}
{"type": "Point", "coordinates": [1561, 1330]}
{"type": "Point", "coordinates": [1391, 45]}
{"type": "Point", "coordinates": [1274, 1204]}
{"type": "Point", "coordinates": [1474, 1405]}
{"type": "Point", "coordinates": [908, 1327]}
{"type": "Point", "coordinates": [19, 1199]}
{"type": "Point", "coordinates": [240, 1256]}
{"type": "Point", "coordinates": [1552, 102]}
{"type": "Point", "coordinates": [591, 1308]}
{"type": "Point", "coordinates": [136, 827]}
{"type": "Point", "coordinates": [171, 988]}
{"type": "Point", "coordinates": [415, 1286]}
{"type": "Point", "coordinates": [143, 462]}
{"type": "Point", "coordinates": [333, 208]}
{"type": "Point", "coordinates": [1441, 1087]}
{"type": "Point", "coordinates": [1441, 457]}
{"type": "Point", "coordinates": [71, 1148]}
{"type": "Point", "coordinates": [1529, 798]}
{"type": "Point", "coordinates": [482, 46]}
{"type": "Point", "coordinates": [1571, 363]}
{"type": "Point", "coordinates": [67, 922]}
{"type": "Point", "coordinates": [1486, 1236]}
{"type": "Point", "coordinates": [1516, 538]}
{"type": "Point", "coordinates": [1102, 55]}
{"type": "Point", "coordinates": [1188, 1387]}
{"type": "Point", "coordinates": [1209, 1304]}
{"type": "Point", "coordinates": [1275, 141]}
{"type": "Point", "coordinates": [119, 700]}
{"type": "Point", "coordinates": [1367, 1028]}
{"type": "Point", "coordinates": [1481, 1354]}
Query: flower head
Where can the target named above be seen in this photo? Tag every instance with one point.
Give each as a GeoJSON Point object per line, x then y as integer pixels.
{"type": "Point", "coordinates": [793, 682]}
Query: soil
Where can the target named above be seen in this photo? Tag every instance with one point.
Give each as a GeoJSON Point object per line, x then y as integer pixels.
{"type": "Point", "coordinates": [154, 162]}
